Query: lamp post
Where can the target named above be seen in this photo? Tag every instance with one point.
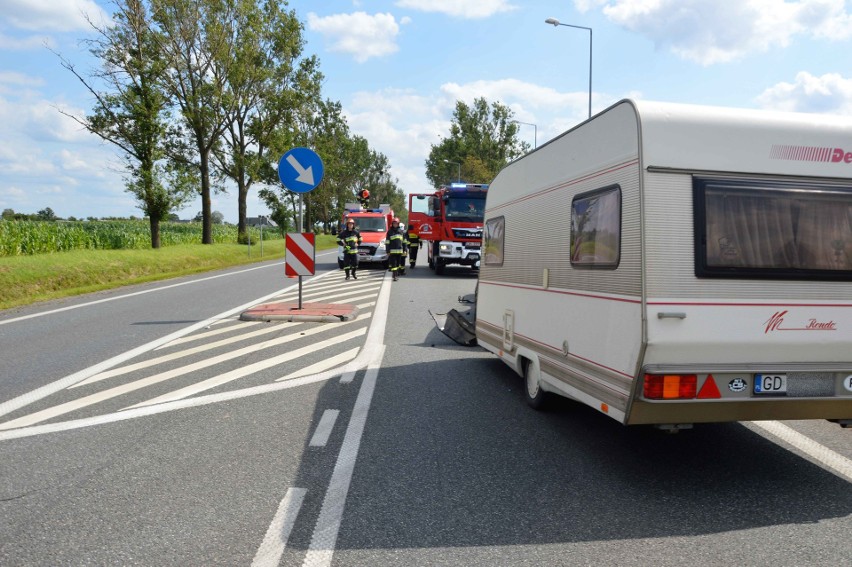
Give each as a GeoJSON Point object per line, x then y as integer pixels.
{"type": "Point", "coordinates": [535, 131]}
{"type": "Point", "coordinates": [554, 22]}
{"type": "Point", "coordinates": [459, 166]}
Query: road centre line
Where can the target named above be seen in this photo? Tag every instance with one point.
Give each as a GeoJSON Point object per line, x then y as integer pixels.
{"type": "Point", "coordinates": [270, 551]}
{"type": "Point", "coordinates": [249, 369]}
{"type": "Point", "coordinates": [324, 428]}
{"type": "Point", "coordinates": [63, 383]}
{"type": "Point", "coordinates": [327, 528]}
{"type": "Point", "coordinates": [367, 354]}
{"type": "Point", "coordinates": [837, 463]}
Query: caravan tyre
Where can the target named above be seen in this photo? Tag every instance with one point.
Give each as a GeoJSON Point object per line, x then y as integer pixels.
{"type": "Point", "coordinates": [534, 394]}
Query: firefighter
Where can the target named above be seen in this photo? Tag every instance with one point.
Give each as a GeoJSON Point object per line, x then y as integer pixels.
{"type": "Point", "coordinates": [413, 245]}
{"type": "Point", "coordinates": [395, 243]}
{"type": "Point", "coordinates": [350, 238]}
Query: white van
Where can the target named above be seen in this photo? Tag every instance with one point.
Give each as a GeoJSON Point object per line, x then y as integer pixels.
{"type": "Point", "coordinates": [671, 264]}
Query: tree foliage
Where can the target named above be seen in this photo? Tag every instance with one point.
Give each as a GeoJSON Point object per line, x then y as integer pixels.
{"type": "Point", "coordinates": [482, 140]}
{"type": "Point", "coordinates": [131, 110]}
{"type": "Point", "coordinates": [273, 87]}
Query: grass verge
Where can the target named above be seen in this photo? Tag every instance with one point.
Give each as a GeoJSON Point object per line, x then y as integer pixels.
{"type": "Point", "coordinates": [30, 279]}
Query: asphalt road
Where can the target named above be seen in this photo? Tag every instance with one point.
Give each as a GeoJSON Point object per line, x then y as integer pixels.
{"type": "Point", "coordinates": [150, 426]}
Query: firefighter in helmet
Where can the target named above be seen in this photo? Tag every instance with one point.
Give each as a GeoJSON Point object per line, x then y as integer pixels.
{"type": "Point", "coordinates": [395, 243]}
{"type": "Point", "coordinates": [413, 245]}
{"type": "Point", "coordinates": [349, 238]}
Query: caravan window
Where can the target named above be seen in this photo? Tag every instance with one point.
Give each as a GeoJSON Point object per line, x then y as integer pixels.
{"type": "Point", "coordinates": [596, 228]}
{"type": "Point", "coordinates": [772, 229]}
{"type": "Point", "coordinates": [494, 231]}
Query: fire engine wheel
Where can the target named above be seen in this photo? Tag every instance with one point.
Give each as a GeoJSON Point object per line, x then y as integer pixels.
{"type": "Point", "coordinates": [439, 266]}
{"type": "Point", "coordinates": [532, 392]}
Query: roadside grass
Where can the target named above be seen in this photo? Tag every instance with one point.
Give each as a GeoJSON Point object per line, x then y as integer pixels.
{"type": "Point", "coordinates": [30, 279]}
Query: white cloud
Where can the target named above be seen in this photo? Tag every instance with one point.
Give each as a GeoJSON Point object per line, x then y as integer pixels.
{"type": "Point", "coordinates": [359, 34]}
{"type": "Point", "coordinates": [29, 43]}
{"type": "Point", "coordinates": [52, 15]}
{"type": "Point", "coordinates": [709, 31]}
{"type": "Point", "coordinates": [468, 9]}
{"type": "Point", "coordinates": [403, 124]}
{"type": "Point", "coordinates": [830, 93]}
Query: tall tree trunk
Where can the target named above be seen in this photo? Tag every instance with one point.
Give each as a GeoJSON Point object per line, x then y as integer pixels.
{"type": "Point", "coordinates": [155, 230]}
{"type": "Point", "coordinates": [206, 217]}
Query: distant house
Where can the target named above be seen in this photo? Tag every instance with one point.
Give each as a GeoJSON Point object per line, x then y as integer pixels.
{"type": "Point", "coordinates": [260, 221]}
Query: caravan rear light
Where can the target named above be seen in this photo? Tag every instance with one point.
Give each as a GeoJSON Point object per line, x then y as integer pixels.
{"type": "Point", "coordinates": [670, 386]}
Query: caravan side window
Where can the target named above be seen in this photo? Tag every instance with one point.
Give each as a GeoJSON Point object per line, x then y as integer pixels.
{"type": "Point", "coordinates": [494, 231]}
{"type": "Point", "coordinates": [596, 228]}
{"type": "Point", "coordinates": [772, 229]}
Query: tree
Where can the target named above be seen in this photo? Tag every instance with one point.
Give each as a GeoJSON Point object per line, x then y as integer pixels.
{"type": "Point", "coordinates": [8, 214]}
{"type": "Point", "coordinates": [483, 139]}
{"type": "Point", "coordinates": [133, 112]}
{"type": "Point", "coordinates": [271, 88]}
{"type": "Point", "coordinates": [196, 40]}
{"type": "Point", "coordinates": [217, 218]}
{"type": "Point", "coordinates": [46, 214]}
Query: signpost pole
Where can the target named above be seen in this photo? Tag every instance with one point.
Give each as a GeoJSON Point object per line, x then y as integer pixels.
{"type": "Point", "coordinates": [300, 230]}
{"type": "Point", "coordinates": [300, 170]}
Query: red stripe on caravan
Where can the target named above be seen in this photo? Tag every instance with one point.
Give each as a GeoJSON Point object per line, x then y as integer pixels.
{"type": "Point", "coordinates": [562, 292]}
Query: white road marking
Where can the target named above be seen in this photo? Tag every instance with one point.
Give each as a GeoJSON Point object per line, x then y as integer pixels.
{"type": "Point", "coordinates": [249, 369]}
{"type": "Point", "coordinates": [323, 430]}
{"type": "Point", "coordinates": [270, 551]}
{"type": "Point", "coordinates": [836, 463]}
{"type": "Point", "coordinates": [173, 406]}
{"type": "Point", "coordinates": [208, 334]}
{"type": "Point", "coordinates": [63, 383]}
{"type": "Point", "coordinates": [189, 352]}
{"type": "Point", "coordinates": [67, 407]}
{"type": "Point", "coordinates": [324, 538]}
{"type": "Point", "coordinates": [341, 358]}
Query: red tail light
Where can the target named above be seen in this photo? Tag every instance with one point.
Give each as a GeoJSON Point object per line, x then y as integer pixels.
{"type": "Point", "coordinates": [670, 386]}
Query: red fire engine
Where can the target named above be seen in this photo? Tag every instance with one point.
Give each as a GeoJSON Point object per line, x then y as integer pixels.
{"type": "Point", "coordinates": [449, 222]}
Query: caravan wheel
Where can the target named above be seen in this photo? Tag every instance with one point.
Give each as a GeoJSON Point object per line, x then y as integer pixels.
{"type": "Point", "coordinates": [534, 394]}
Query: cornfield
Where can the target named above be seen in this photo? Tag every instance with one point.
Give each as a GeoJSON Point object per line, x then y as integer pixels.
{"type": "Point", "coordinates": [22, 238]}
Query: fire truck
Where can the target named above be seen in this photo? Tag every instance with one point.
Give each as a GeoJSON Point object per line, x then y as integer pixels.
{"type": "Point", "coordinates": [373, 225]}
{"type": "Point", "coordinates": [449, 222]}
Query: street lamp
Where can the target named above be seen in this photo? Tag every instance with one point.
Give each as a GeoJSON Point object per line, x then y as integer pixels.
{"type": "Point", "coordinates": [535, 131]}
{"type": "Point", "coordinates": [554, 22]}
{"type": "Point", "coordinates": [459, 166]}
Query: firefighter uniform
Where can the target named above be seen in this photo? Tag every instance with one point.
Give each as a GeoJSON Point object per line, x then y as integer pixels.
{"type": "Point", "coordinates": [350, 238]}
{"type": "Point", "coordinates": [395, 244]}
{"type": "Point", "coordinates": [413, 245]}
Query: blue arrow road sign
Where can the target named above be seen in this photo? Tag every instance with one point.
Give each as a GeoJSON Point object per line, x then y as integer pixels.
{"type": "Point", "coordinates": [300, 170]}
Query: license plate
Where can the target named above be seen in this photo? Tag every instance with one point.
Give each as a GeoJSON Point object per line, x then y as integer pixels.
{"type": "Point", "coordinates": [770, 383]}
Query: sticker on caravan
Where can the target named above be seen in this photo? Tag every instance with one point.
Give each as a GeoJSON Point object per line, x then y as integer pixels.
{"type": "Point", "coordinates": [847, 383]}
{"type": "Point", "coordinates": [737, 385]}
{"type": "Point", "coordinates": [810, 153]}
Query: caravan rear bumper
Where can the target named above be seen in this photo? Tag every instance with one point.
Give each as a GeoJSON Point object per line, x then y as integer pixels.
{"type": "Point", "coordinates": [691, 411]}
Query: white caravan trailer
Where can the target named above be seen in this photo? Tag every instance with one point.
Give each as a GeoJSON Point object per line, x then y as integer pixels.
{"type": "Point", "coordinates": [671, 264]}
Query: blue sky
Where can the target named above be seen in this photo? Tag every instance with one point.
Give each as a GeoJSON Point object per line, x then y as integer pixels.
{"type": "Point", "coordinates": [399, 66]}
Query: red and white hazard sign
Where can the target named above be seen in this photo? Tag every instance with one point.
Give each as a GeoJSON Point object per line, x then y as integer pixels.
{"type": "Point", "coordinates": [300, 258]}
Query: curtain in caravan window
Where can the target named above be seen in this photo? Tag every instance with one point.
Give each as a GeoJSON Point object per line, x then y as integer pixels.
{"type": "Point", "coordinates": [778, 229]}
{"type": "Point", "coordinates": [825, 234]}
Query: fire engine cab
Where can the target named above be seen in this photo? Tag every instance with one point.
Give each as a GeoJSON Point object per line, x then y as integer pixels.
{"type": "Point", "coordinates": [373, 225]}
{"type": "Point", "coordinates": [449, 222]}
